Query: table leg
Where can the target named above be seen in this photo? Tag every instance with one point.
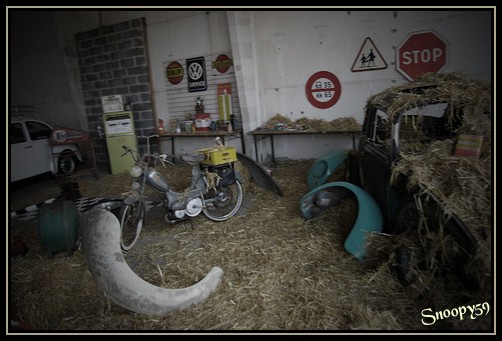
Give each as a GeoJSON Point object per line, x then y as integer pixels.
{"type": "Point", "coordinates": [273, 150]}
{"type": "Point", "coordinates": [173, 149]}
{"type": "Point", "coordinates": [243, 144]}
{"type": "Point", "coordinates": [353, 137]}
{"type": "Point", "coordinates": [255, 148]}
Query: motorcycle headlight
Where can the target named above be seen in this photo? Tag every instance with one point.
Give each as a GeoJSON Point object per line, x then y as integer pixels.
{"type": "Point", "coordinates": [135, 171]}
{"type": "Point", "coordinates": [135, 185]}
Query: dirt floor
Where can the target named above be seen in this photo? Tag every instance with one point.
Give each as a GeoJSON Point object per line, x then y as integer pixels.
{"type": "Point", "coordinates": [281, 273]}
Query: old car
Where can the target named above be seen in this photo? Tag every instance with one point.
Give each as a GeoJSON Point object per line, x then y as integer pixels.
{"type": "Point", "coordinates": [31, 151]}
{"type": "Point", "coordinates": [424, 156]}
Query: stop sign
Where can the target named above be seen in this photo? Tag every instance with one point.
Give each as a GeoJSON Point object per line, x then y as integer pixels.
{"type": "Point", "coordinates": [421, 52]}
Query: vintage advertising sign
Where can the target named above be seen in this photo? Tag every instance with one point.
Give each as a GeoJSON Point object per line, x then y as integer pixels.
{"type": "Point", "coordinates": [222, 63]}
{"type": "Point", "coordinates": [196, 74]}
{"type": "Point", "coordinates": [225, 101]}
{"type": "Point", "coordinates": [175, 73]}
{"type": "Point", "coordinates": [64, 135]}
{"type": "Point", "coordinates": [368, 58]}
{"type": "Point", "coordinates": [323, 89]}
{"type": "Point", "coordinates": [112, 103]}
{"type": "Point", "coordinates": [420, 53]}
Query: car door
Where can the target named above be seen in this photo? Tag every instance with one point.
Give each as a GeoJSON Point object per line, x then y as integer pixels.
{"type": "Point", "coordinates": [30, 150]}
{"type": "Point", "coordinates": [375, 160]}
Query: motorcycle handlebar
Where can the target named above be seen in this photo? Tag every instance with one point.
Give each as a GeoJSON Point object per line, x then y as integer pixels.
{"type": "Point", "coordinates": [163, 159]}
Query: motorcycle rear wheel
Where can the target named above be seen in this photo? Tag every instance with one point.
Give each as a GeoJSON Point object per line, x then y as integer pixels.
{"type": "Point", "coordinates": [224, 202]}
{"type": "Point", "coordinates": [132, 218]}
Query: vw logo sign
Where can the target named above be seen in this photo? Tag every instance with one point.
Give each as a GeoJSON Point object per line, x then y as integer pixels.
{"type": "Point", "coordinates": [196, 71]}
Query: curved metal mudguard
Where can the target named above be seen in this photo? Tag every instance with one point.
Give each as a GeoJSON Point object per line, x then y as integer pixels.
{"type": "Point", "coordinates": [101, 244]}
{"type": "Point", "coordinates": [369, 217]}
{"type": "Point", "coordinates": [260, 175]}
{"type": "Point", "coordinates": [324, 167]}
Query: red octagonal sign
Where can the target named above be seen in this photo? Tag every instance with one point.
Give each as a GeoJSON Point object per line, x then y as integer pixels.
{"type": "Point", "coordinates": [420, 53]}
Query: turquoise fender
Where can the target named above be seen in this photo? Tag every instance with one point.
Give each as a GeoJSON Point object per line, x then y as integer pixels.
{"type": "Point", "coordinates": [369, 217]}
{"type": "Point", "coordinates": [323, 167]}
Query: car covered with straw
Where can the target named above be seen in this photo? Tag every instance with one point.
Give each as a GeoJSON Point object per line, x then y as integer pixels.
{"type": "Point", "coordinates": [425, 157]}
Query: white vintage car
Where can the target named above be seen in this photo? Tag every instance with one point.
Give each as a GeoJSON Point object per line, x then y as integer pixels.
{"type": "Point", "coordinates": [31, 152]}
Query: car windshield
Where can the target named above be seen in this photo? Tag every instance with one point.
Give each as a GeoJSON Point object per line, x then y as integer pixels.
{"type": "Point", "coordinates": [414, 127]}
{"type": "Point", "coordinates": [38, 130]}
{"type": "Point", "coordinates": [418, 126]}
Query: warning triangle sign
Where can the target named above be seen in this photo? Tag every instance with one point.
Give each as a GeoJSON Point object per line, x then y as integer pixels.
{"type": "Point", "coordinates": [368, 58]}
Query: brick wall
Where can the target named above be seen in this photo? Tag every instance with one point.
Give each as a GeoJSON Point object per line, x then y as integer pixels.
{"type": "Point", "coordinates": [113, 61]}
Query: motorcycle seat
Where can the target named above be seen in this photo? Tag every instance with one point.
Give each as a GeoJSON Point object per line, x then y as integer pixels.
{"type": "Point", "coordinates": [193, 159]}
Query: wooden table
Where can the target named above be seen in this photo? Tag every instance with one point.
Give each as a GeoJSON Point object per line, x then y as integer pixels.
{"type": "Point", "coordinates": [263, 134]}
{"type": "Point", "coordinates": [224, 135]}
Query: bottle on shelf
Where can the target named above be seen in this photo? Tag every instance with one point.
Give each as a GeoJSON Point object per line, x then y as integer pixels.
{"type": "Point", "coordinates": [199, 107]}
{"type": "Point", "coordinates": [233, 120]}
{"type": "Point", "coordinates": [161, 126]}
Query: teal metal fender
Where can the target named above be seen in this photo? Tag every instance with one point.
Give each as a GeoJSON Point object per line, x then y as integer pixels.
{"type": "Point", "coordinates": [323, 167]}
{"type": "Point", "coordinates": [369, 217]}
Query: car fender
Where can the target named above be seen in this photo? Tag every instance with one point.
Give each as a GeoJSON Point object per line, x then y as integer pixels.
{"type": "Point", "coordinates": [58, 150]}
{"type": "Point", "coordinates": [369, 216]}
{"type": "Point", "coordinates": [324, 167]}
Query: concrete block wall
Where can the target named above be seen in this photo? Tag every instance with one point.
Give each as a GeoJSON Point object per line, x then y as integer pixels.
{"type": "Point", "coordinates": [113, 61]}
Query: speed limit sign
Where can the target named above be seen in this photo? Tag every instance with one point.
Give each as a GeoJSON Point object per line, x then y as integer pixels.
{"type": "Point", "coordinates": [323, 89]}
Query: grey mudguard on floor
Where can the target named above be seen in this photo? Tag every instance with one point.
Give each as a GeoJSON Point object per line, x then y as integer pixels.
{"type": "Point", "coordinates": [101, 244]}
{"type": "Point", "coordinates": [260, 175]}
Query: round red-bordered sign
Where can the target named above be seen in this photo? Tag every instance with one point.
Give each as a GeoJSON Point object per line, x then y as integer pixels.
{"type": "Point", "coordinates": [222, 63]}
{"type": "Point", "coordinates": [175, 72]}
{"type": "Point", "coordinates": [323, 89]}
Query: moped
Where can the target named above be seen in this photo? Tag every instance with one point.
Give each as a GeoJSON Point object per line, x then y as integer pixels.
{"type": "Point", "coordinates": [214, 190]}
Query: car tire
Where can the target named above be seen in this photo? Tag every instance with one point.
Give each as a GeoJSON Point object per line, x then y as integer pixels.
{"type": "Point", "coordinates": [66, 163]}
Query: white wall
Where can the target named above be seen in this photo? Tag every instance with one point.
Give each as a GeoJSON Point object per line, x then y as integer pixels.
{"type": "Point", "coordinates": [278, 51]}
{"type": "Point", "coordinates": [274, 53]}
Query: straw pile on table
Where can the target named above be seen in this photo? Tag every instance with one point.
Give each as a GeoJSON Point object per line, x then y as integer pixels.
{"type": "Point", "coordinates": [280, 122]}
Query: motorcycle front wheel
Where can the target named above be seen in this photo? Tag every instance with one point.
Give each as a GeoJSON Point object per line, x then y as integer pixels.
{"type": "Point", "coordinates": [131, 217]}
{"type": "Point", "coordinates": [223, 203]}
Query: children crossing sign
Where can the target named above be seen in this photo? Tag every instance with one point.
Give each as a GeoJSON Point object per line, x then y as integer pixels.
{"type": "Point", "coordinates": [368, 58]}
